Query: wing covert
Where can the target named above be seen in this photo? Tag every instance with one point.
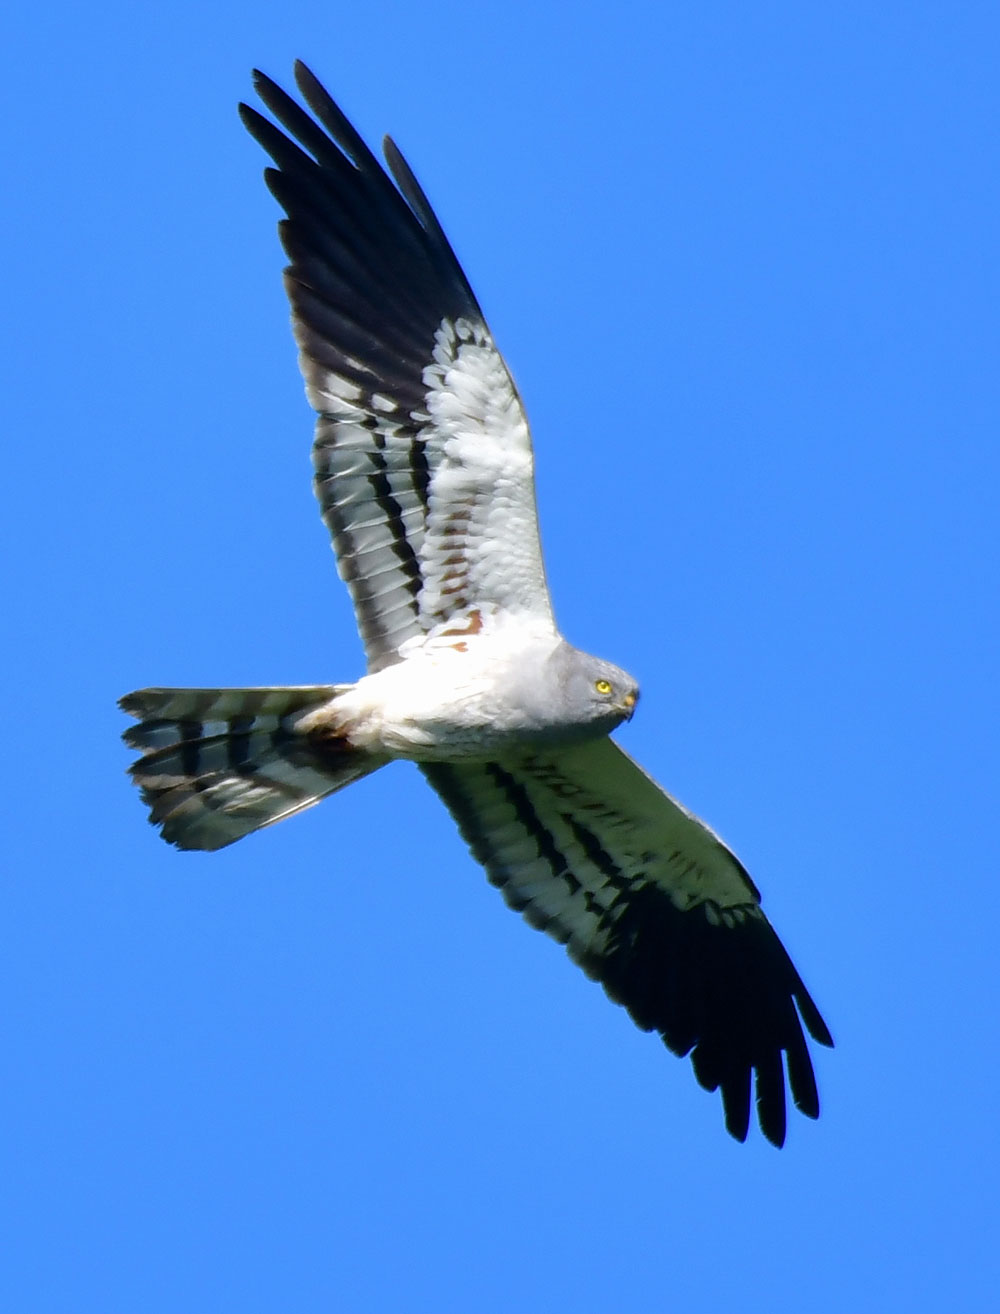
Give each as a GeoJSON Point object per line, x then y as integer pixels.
{"type": "Point", "coordinates": [422, 453]}
{"type": "Point", "coordinates": [652, 904]}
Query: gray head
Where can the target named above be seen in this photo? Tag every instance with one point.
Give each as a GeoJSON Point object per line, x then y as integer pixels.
{"type": "Point", "coordinates": [580, 697]}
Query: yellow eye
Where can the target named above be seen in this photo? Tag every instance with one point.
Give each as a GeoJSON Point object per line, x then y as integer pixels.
{"type": "Point", "coordinates": [602, 686]}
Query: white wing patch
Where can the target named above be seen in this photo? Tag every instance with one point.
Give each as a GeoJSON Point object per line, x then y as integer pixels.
{"type": "Point", "coordinates": [481, 548]}
{"type": "Point", "coordinates": [432, 512]}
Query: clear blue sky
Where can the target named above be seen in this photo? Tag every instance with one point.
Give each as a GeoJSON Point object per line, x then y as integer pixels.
{"type": "Point", "coordinates": [743, 262]}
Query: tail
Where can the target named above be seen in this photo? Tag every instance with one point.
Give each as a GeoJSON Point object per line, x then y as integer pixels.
{"type": "Point", "coordinates": [220, 763]}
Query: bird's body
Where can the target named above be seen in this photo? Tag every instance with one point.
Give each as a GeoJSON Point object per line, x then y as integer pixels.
{"type": "Point", "coordinates": [444, 702]}
{"type": "Point", "coordinates": [424, 474]}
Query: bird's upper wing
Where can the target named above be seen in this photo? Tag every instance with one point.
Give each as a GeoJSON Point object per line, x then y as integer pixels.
{"type": "Point", "coordinates": [423, 457]}
{"type": "Point", "coordinates": [654, 906]}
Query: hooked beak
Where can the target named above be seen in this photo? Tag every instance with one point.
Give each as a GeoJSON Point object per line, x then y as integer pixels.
{"type": "Point", "coordinates": [629, 702]}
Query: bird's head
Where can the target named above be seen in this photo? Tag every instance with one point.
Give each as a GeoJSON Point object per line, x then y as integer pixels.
{"type": "Point", "coordinates": [588, 694]}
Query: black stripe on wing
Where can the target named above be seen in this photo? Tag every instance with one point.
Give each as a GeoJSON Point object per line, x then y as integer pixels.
{"type": "Point", "coordinates": [372, 279]}
{"type": "Point", "coordinates": [715, 983]}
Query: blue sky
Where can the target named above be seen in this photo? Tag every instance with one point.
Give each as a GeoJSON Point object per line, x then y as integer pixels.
{"type": "Point", "coordinates": [743, 263]}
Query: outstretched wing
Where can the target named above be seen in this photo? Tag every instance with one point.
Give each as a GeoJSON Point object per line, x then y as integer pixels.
{"type": "Point", "coordinates": [423, 457]}
{"type": "Point", "coordinates": [652, 904]}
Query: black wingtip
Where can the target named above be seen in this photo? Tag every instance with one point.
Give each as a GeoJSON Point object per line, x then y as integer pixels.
{"type": "Point", "coordinates": [267, 89]}
{"type": "Point", "coordinates": [264, 86]}
{"type": "Point", "coordinates": [735, 1093]}
{"type": "Point", "coordinates": [305, 79]}
{"type": "Point", "coordinates": [132, 703]}
{"type": "Point", "coordinates": [774, 1135]}
{"type": "Point", "coordinates": [249, 117]}
{"type": "Point", "coordinates": [811, 1016]}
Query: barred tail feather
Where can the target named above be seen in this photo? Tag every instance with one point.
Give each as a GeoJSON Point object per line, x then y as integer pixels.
{"type": "Point", "coordinates": [220, 763]}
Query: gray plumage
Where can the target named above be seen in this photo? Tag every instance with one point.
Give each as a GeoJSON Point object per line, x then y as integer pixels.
{"type": "Point", "coordinates": [424, 475]}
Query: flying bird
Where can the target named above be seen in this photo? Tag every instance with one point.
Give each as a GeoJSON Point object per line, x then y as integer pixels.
{"type": "Point", "coordinates": [424, 474]}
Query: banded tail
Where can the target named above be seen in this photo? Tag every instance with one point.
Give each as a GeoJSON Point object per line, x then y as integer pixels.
{"type": "Point", "coordinates": [220, 763]}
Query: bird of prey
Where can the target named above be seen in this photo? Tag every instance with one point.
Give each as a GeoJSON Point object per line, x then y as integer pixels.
{"type": "Point", "coordinates": [424, 474]}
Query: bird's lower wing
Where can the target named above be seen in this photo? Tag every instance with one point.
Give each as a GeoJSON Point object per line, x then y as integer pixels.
{"type": "Point", "coordinates": [652, 904]}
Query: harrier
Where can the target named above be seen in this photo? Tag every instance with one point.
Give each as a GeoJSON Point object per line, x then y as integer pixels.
{"type": "Point", "coordinates": [424, 475]}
